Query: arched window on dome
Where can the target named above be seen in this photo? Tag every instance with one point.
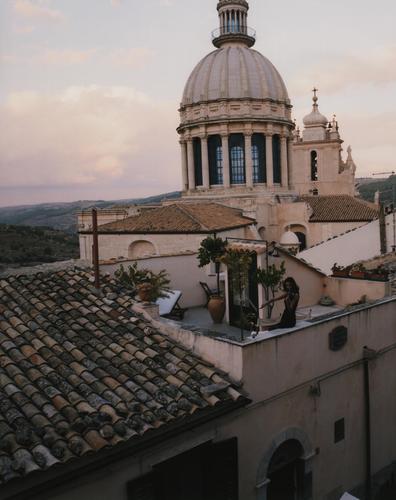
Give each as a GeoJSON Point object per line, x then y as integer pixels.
{"type": "Point", "coordinates": [215, 152]}
{"type": "Point", "coordinates": [237, 159]}
{"type": "Point", "coordinates": [259, 159]}
{"type": "Point", "coordinates": [314, 166]}
{"type": "Point", "coordinates": [276, 155]}
{"type": "Point", "coordinates": [197, 161]}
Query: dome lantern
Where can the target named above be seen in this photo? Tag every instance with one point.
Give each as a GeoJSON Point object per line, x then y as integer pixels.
{"type": "Point", "coordinates": [233, 24]}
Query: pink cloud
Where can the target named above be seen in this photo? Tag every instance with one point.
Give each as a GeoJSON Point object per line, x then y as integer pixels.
{"type": "Point", "coordinates": [65, 57]}
{"type": "Point", "coordinates": [30, 9]}
{"type": "Point", "coordinates": [135, 57]}
{"type": "Point", "coordinates": [87, 136]}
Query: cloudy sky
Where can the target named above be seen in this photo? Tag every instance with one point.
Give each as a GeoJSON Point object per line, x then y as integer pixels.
{"type": "Point", "coordinates": [89, 89]}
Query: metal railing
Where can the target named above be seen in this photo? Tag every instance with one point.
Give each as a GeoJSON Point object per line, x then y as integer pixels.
{"type": "Point", "coordinates": [234, 30]}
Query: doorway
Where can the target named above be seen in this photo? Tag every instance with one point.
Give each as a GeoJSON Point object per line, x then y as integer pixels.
{"type": "Point", "coordinates": [286, 472]}
{"type": "Point", "coordinates": [249, 298]}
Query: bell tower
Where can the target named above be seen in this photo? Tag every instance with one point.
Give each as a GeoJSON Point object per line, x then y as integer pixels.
{"type": "Point", "coordinates": [233, 16]}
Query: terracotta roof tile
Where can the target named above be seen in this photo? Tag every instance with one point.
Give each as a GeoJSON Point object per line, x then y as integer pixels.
{"type": "Point", "coordinates": [74, 380]}
{"type": "Point", "coordinates": [181, 218]}
{"type": "Point", "coordinates": [340, 208]}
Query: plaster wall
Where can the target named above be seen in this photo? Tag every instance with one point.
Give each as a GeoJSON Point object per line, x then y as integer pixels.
{"type": "Point", "coordinates": [345, 291]}
{"type": "Point", "coordinates": [351, 247]}
{"type": "Point", "coordinates": [116, 246]}
{"type": "Point", "coordinates": [184, 274]}
{"type": "Point", "coordinates": [330, 179]}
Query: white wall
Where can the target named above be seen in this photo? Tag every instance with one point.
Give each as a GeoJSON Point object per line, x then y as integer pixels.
{"type": "Point", "coordinates": [360, 244]}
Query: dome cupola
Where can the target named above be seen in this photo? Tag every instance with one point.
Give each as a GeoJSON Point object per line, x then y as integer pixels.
{"type": "Point", "coordinates": [315, 118]}
{"type": "Point", "coordinates": [233, 24]}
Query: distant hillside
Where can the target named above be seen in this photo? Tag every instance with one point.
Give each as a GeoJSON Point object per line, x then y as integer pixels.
{"type": "Point", "coordinates": [63, 215]}
{"type": "Point", "coordinates": [384, 186]}
{"type": "Point", "coordinates": [25, 246]}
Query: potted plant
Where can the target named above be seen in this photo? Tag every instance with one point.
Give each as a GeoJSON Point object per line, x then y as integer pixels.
{"type": "Point", "coordinates": [378, 274]}
{"type": "Point", "coordinates": [212, 249]}
{"type": "Point", "coordinates": [358, 271]}
{"type": "Point", "coordinates": [238, 263]}
{"type": "Point", "coordinates": [340, 271]}
{"type": "Point", "coordinates": [270, 279]}
{"type": "Point", "coordinates": [148, 285]}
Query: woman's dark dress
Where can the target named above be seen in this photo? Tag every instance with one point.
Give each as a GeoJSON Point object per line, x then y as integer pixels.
{"type": "Point", "coordinates": [288, 319]}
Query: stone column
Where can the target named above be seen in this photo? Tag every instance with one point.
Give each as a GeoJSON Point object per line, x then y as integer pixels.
{"type": "Point", "coordinates": [269, 160]}
{"type": "Point", "coordinates": [284, 167]}
{"type": "Point", "coordinates": [184, 165]}
{"type": "Point", "coordinates": [290, 161]}
{"type": "Point", "coordinates": [205, 161]}
{"type": "Point", "coordinates": [248, 160]}
{"type": "Point", "coordinates": [226, 161]}
{"type": "Point", "coordinates": [190, 160]}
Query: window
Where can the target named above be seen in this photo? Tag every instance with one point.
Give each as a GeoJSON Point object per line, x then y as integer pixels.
{"type": "Point", "coordinates": [237, 158]}
{"type": "Point", "coordinates": [339, 430]}
{"type": "Point", "coordinates": [215, 151]}
{"type": "Point", "coordinates": [314, 166]}
{"type": "Point", "coordinates": [276, 156]}
{"type": "Point", "coordinates": [258, 159]}
{"type": "Point", "coordinates": [197, 161]}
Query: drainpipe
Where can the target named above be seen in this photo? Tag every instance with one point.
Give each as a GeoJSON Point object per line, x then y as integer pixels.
{"type": "Point", "coordinates": [382, 223]}
{"type": "Point", "coordinates": [95, 247]}
{"type": "Point", "coordinates": [368, 355]}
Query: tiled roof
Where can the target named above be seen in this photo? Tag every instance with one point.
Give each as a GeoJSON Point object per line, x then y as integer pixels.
{"type": "Point", "coordinates": [181, 218]}
{"type": "Point", "coordinates": [340, 208]}
{"type": "Point", "coordinates": [80, 372]}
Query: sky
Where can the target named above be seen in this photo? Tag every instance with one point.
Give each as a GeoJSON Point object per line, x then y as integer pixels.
{"type": "Point", "coordinates": [89, 89]}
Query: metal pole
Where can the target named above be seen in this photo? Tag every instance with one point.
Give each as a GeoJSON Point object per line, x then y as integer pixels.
{"type": "Point", "coordinates": [95, 247]}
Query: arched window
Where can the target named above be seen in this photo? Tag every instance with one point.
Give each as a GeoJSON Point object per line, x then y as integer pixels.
{"type": "Point", "coordinates": [258, 159]}
{"type": "Point", "coordinates": [197, 161]}
{"type": "Point", "coordinates": [314, 166]}
{"type": "Point", "coordinates": [276, 155]}
{"type": "Point", "coordinates": [141, 248]}
{"type": "Point", "coordinates": [237, 159]}
{"type": "Point", "coordinates": [215, 152]}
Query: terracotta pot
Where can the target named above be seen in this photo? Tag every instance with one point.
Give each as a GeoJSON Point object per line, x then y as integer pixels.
{"type": "Point", "coordinates": [357, 274]}
{"type": "Point", "coordinates": [144, 292]}
{"type": "Point", "coordinates": [216, 308]}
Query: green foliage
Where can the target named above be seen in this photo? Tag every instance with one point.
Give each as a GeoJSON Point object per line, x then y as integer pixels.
{"type": "Point", "coordinates": [25, 245]}
{"type": "Point", "coordinates": [271, 278]}
{"type": "Point", "coordinates": [271, 281]}
{"type": "Point", "coordinates": [384, 186]}
{"type": "Point", "coordinates": [238, 263]}
{"type": "Point", "coordinates": [211, 250]}
{"type": "Point", "coordinates": [132, 277]}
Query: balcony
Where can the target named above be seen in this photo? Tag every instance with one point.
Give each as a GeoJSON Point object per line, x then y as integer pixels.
{"type": "Point", "coordinates": [233, 33]}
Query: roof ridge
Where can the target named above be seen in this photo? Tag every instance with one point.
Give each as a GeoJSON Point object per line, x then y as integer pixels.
{"type": "Point", "coordinates": [190, 215]}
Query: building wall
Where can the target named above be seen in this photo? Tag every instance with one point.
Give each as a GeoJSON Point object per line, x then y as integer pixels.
{"type": "Point", "coordinates": [346, 291]}
{"type": "Point", "coordinates": [280, 375]}
{"type": "Point", "coordinates": [116, 246]}
{"type": "Point", "coordinates": [330, 179]}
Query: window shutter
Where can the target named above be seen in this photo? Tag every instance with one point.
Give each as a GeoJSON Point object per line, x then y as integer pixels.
{"type": "Point", "coordinates": [142, 488]}
{"type": "Point", "coordinates": [223, 471]}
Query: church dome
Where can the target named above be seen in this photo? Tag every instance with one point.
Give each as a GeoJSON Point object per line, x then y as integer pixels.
{"type": "Point", "coordinates": [289, 238]}
{"type": "Point", "coordinates": [234, 72]}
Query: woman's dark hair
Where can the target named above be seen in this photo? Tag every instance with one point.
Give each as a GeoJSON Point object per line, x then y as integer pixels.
{"type": "Point", "coordinates": [294, 286]}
